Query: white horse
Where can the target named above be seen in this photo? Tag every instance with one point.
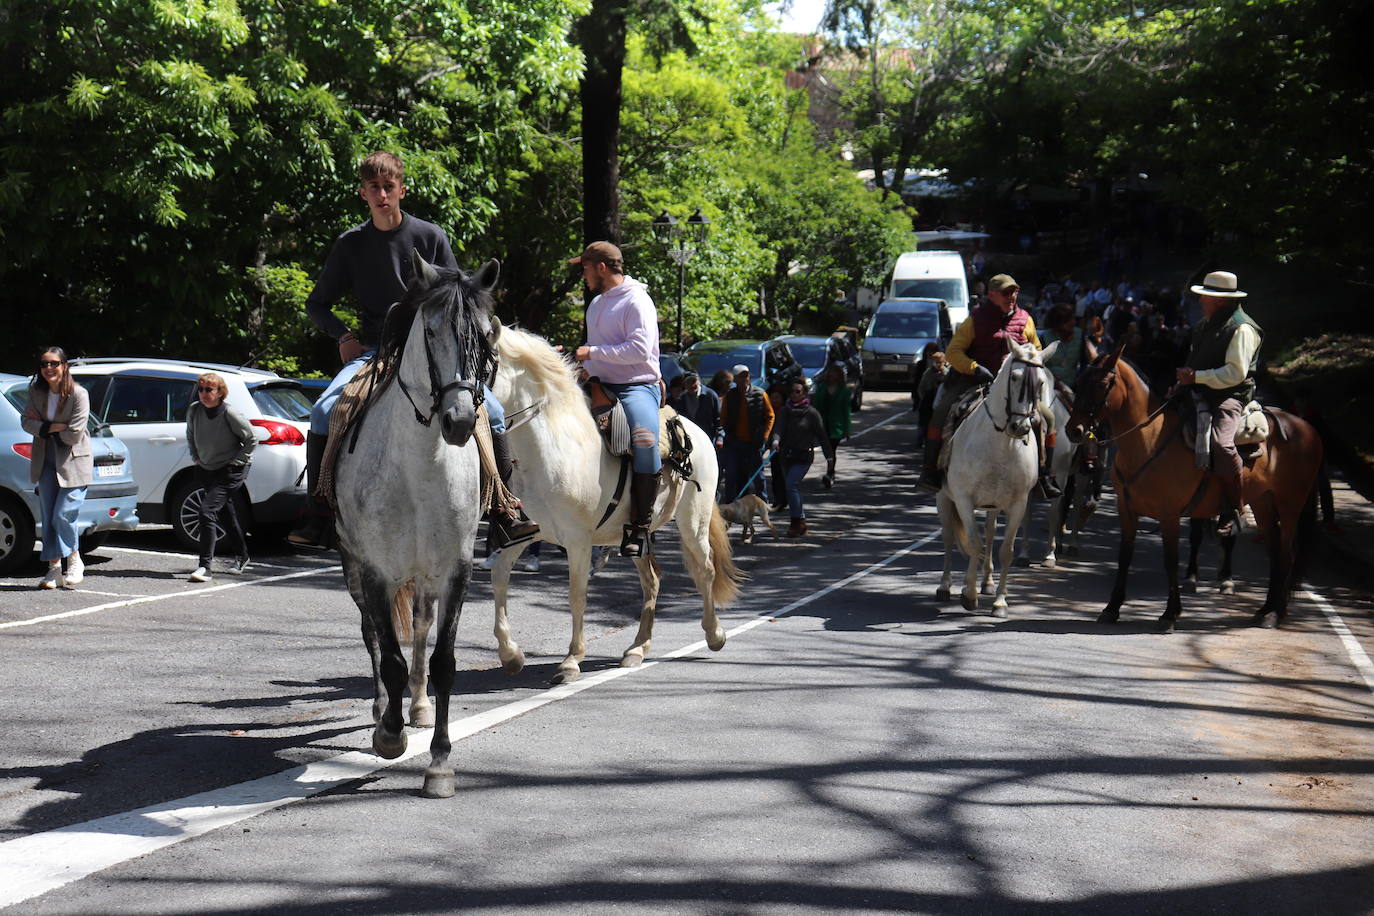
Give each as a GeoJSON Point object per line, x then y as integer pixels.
{"type": "Point", "coordinates": [993, 464]}
{"type": "Point", "coordinates": [407, 499]}
{"type": "Point", "coordinates": [1069, 513]}
{"type": "Point", "coordinates": [566, 479]}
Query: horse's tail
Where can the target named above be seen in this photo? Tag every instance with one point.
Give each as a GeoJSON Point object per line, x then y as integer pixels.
{"type": "Point", "coordinates": [403, 611]}
{"type": "Point", "coordinates": [727, 577]}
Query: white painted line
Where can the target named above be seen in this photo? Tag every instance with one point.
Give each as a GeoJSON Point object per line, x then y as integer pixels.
{"type": "Point", "coordinates": [81, 612]}
{"type": "Point", "coordinates": [879, 424]}
{"type": "Point", "coordinates": [1352, 645]}
{"type": "Point", "coordinates": [42, 862]}
{"type": "Point", "coordinates": [90, 591]}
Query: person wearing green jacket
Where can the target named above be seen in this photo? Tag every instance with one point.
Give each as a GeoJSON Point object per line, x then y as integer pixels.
{"type": "Point", "coordinates": [831, 400]}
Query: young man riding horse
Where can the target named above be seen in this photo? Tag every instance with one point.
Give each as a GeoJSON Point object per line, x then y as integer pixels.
{"type": "Point", "coordinates": [622, 351]}
{"type": "Point", "coordinates": [975, 355]}
{"type": "Point", "coordinates": [372, 261]}
{"type": "Point", "coordinates": [1221, 365]}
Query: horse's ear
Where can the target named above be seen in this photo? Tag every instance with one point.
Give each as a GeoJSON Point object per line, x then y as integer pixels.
{"type": "Point", "coordinates": [422, 272]}
{"type": "Point", "coordinates": [495, 330]}
{"type": "Point", "coordinates": [1115, 357]}
{"type": "Point", "coordinates": [488, 274]}
{"type": "Point", "coordinates": [1046, 353]}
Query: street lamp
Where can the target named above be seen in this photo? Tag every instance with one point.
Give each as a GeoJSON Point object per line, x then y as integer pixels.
{"type": "Point", "coordinates": [682, 244]}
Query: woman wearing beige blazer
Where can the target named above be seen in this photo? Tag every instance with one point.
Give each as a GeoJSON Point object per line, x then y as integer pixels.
{"type": "Point", "coordinates": [61, 462]}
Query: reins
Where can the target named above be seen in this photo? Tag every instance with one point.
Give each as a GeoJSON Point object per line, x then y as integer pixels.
{"type": "Point", "coordinates": [437, 388]}
{"type": "Point", "coordinates": [1029, 395]}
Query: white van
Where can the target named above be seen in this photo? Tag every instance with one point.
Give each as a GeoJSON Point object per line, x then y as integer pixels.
{"type": "Point", "coordinates": [932, 275]}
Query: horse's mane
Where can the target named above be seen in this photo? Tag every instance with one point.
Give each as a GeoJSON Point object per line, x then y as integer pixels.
{"type": "Point", "coordinates": [554, 376]}
{"type": "Point", "coordinates": [466, 305]}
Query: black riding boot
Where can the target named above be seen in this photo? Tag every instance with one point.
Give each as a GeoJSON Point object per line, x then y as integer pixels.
{"type": "Point", "coordinates": [643, 492]}
{"type": "Point", "coordinates": [508, 526]}
{"type": "Point", "coordinates": [932, 478]}
{"type": "Point", "coordinates": [1047, 487]}
{"type": "Point", "coordinates": [317, 528]}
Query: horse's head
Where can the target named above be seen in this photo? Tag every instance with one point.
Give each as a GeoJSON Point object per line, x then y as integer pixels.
{"type": "Point", "coordinates": [1019, 386]}
{"type": "Point", "coordinates": [1095, 393]}
{"type": "Point", "coordinates": [450, 344]}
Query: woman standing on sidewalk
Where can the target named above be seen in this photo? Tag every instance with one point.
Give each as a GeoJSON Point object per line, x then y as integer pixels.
{"type": "Point", "coordinates": [221, 443]}
{"type": "Point", "coordinates": [795, 436]}
{"type": "Point", "coordinates": [60, 462]}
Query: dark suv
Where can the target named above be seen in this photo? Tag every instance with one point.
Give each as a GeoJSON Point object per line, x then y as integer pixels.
{"type": "Point", "coordinates": [769, 361]}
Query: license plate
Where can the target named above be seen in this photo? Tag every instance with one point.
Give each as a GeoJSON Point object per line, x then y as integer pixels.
{"type": "Point", "coordinates": [109, 470]}
{"type": "Point", "coordinates": [895, 370]}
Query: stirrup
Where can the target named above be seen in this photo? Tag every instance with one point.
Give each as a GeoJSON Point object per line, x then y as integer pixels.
{"type": "Point", "coordinates": [511, 529]}
{"type": "Point", "coordinates": [632, 541]}
{"type": "Point", "coordinates": [1046, 487]}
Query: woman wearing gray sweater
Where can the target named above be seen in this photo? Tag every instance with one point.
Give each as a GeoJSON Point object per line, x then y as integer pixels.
{"type": "Point", "coordinates": [222, 444]}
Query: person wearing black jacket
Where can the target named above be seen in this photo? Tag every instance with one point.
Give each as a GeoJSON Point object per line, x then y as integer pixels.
{"type": "Point", "coordinates": [797, 433]}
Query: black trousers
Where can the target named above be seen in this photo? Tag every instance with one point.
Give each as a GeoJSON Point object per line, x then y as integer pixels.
{"type": "Point", "coordinates": [219, 486]}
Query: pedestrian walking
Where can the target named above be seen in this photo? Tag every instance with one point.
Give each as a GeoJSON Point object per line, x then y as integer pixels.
{"type": "Point", "coordinates": [747, 418]}
{"type": "Point", "coordinates": [831, 400]}
{"type": "Point", "coordinates": [798, 432]}
{"type": "Point", "coordinates": [221, 441]}
{"type": "Point", "coordinates": [60, 462]}
{"type": "Point", "coordinates": [701, 406]}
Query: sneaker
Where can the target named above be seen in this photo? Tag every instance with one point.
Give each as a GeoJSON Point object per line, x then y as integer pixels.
{"type": "Point", "coordinates": [54, 577]}
{"type": "Point", "coordinates": [76, 570]}
{"type": "Point", "coordinates": [490, 560]}
{"type": "Point", "coordinates": [201, 574]}
{"type": "Point", "coordinates": [240, 564]}
{"type": "Point", "coordinates": [531, 564]}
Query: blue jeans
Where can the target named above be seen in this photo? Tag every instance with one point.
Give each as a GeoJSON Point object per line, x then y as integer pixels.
{"type": "Point", "coordinates": [794, 474]}
{"type": "Point", "coordinates": [319, 414]}
{"type": "Point", "coordinates": [641, 412]}
{"type": "Point", "coordinates": [58, 507]}
{"type": "Point", "coordinates": [741, 460]}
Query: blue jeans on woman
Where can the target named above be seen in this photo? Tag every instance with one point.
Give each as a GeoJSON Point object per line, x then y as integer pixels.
{"type": "Point", "coordinates": [641, 413]}
{"type": "Point", "coordinates": [794, 473]}
{"type": "Point", "coordinates": [58, 507]}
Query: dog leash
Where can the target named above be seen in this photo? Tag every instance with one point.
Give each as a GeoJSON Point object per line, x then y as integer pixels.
{"type": "Point", "coordinates": [767, 456]}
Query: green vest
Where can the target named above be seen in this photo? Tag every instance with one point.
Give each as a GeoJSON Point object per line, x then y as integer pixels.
{"type": "Point", "coordinates": [1211, 339]}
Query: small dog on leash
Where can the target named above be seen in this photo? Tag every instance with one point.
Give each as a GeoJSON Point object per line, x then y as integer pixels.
{"type": "Point", "coordinates": [742, 511]}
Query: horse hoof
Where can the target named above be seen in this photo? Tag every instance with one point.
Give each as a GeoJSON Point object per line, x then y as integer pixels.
{"type": "Point", "coordinates": [1263, 620]}
{"type": "Point", "coordinates": [715, 640]}
{"type": "Point", "coordinates": [515, 664]}
{"type": "Point", "coordinates": [1109, 617]}
{"type": "Point", "coordinates": [1050, 563]}
{"type": "Point", "coordinates": [633, 658]}
{"type": "Point", "coordinates": [386, 746]}
{"type": "Point", "coordinates": [439, 784]}
{"type": "Point", "coordinates": [1228, 587]}
{"type": "Point", "coordinates": [1022, 562]}
{"type": "Point", "coordinates": [1190, 586]}
{"type": "Point", "coordinates": [969, 603]}
{"type": "Point", "coordinates": [999, 610]}
{"type": "Point", "coordinates": [942, 594]}
{"type": "Point", "coordinates": [565, 676]}
{"type": "Point", "coordinates": [1164, 625]}
{"type": "Point", "coordinates": [422, 717]}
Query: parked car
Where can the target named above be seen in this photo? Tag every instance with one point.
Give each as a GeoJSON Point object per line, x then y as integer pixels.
{"type": "Point", "coordinates": [769, 361]}
{"type": "Point", "coordinates": [670, 366]}
{"type": "Point", "coordinates": [110, 503]}
{"type": "Point", "coordinates": [900, 330]}
{"type": "Point", "coordinates": [145, 401]}
{"type": "Point", "coordinates": [312, 388]}
{"type": "Point", "coordinates": [814, 354]}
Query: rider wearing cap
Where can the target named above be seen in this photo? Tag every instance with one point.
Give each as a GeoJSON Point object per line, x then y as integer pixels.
{"type": "Point", "coordinates": [975, 355]}
{"type": "Point", "coordinates": [1221, 364]}
{"type": "Point", "coordinates": [622, 352]}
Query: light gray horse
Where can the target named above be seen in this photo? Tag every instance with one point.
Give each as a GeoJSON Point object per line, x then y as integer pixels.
{"type": "Point", "coordinates": [408, 499]}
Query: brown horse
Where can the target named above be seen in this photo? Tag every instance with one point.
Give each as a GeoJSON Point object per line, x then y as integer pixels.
{"type": "Point", "coordinates": [1154, 476]}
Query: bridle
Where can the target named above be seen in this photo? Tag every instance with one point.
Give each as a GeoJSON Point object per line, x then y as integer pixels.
{"type": "Point", "coordinates": [1029, 394]}
{"type": "Point", "coordinates": [469, 352]}
{"type": "Point", "coordinates": [1090, 411]}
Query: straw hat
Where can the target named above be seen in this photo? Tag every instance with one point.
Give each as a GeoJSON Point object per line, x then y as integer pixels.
{"type": "Point", "coordinates": [1219, 283]}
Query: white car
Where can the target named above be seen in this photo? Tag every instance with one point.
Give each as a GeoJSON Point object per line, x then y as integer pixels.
{"type": "Point", "coordinates": [145, 402]}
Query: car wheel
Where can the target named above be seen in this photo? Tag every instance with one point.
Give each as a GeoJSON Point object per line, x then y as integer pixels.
{"type": "Point", "coordinates": [184, 513]}
{"type": "Point", "coordinates": [93, 541]}
{"type": "Point", "coordinates": [16, 534]}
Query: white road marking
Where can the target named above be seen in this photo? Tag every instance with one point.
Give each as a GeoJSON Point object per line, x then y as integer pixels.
{"type": "Point", "coordinates": [1358, 656]}
{"type": "Point", "coordinates": [81, 612]}
{"type": "Point", "coordinates": [880, 423]}
{"type": "Point", "coordinates": [42, 862]}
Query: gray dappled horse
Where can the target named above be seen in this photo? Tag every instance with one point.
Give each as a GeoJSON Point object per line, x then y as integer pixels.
{"type": "Point", "coordinates": [407, 495]}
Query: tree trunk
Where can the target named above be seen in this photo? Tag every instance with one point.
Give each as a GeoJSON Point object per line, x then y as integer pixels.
{"type": "Point", "coordinates": [602, 36]}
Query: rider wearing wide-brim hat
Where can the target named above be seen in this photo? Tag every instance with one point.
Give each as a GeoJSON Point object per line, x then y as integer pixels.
{"type": "Point", "coordinates": [1221, 364]}
{"type": "Point", "coordinates": [975, 355]}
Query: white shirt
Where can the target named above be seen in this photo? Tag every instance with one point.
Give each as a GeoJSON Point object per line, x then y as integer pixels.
{"type": "Point", "coordinates": [1239, 353]}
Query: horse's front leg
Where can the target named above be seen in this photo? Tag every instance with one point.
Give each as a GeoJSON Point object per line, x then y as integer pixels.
{"type": "Point", "coordinates": [421, 609]}
{"type": "Point", "coordinates": [1168, 532]}
{"type": "Point", "coordinates": [1197, 532]}
{"type": "Point", "coordinates": [512, 659]}
{"type": "Point", "coordinates": [388, 667]}
{"type": "Point", "coordinates": [1281, 536]}
{"type": "Point", "coordinates": [968, 597]}
{"type": "Point", "coordinates": [947, 537]}
{"type": "Point", "coordinates": [1015, 516]}
{"type": "Point", "coordinates": [579, 568]}
{"type": "Point", "coordinates": [1112, 612]}
{"type": "Point", "coordinates": [649, 579]}
{"type": "Point", "coordinates": [985, 559]}
{"type": "Point", "coordinates": [1224, 574]}
{"type": "Point", "coordinates": [439, 779]}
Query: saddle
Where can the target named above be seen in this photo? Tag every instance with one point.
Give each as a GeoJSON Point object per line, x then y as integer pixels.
{"type": "Point", "coordinates": [962, 409]}
{"type": "Point", "coordinates": [1251, 433]}
{"type": "Point", "coordinates": [357, 396]}
{"type": "Point", "coordinates": [674, 445]}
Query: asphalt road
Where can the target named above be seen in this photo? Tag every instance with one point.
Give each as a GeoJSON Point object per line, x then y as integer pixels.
{"type": "Point", "coordinates": [856, 746]}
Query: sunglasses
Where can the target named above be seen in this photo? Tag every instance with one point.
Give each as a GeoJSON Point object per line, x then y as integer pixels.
{"type": "Point", "coordinates": [206, 389]}
{"type": "Point", "coordinates": [49, 363]}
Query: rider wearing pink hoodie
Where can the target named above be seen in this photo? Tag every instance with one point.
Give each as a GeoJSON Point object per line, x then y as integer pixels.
{"type": "Point", "coordinates": [622, 351]}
